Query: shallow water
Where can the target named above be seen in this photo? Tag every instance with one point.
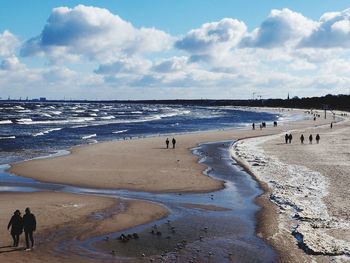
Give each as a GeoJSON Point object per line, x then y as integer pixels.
{"type": "Point", "coordinates": [188, 233]}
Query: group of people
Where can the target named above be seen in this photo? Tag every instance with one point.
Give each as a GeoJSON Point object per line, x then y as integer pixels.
{"type": "Point", "coordinates": [18, 224]}
{"type": "Point", "coordinates": [173, 141]}
{"type": "Point", "coordinates": [310, 138]}
{"type": "Point", "coordinates": [288, 138]}
{"type": "Point", "coordinates": [263, 125]}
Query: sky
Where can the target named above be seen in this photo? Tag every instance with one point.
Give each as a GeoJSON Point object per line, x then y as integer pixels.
{"type": "Point", "coordinates": [185, 49]}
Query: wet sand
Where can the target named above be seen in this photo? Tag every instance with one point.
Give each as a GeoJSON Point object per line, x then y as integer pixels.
{"type": "Point", "coordinates": [62, 216]}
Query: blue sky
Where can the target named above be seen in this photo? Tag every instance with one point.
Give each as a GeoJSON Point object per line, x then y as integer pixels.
{"type": "Point", "coordinates": [176, 17]}
{"type": "Point", "coordinates": [173, 49]}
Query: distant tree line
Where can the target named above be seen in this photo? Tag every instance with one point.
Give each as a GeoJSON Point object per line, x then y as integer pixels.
{"type": "Point", "coordinates": [332, 102]}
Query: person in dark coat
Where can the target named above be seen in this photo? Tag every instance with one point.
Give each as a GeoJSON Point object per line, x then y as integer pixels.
{"type": "Point", "coordinates": [318, 138]}
{"type": "Point", "coordinates": [16, 224]}
{"type": "Point", "coordinates": [29, 226]}
{"type": "Point", "coordinates": [310, 139]}
{"type": "Point", "coordinates": [302, 139]}
{"type": "Point", "coordinates": [174, 142]}
{"type": "Point", "coordinates": [167, 143]}
{"type": "Point", "coordinates": [286, 137]}
{"type": "Point", "coordinates": [290, 137]}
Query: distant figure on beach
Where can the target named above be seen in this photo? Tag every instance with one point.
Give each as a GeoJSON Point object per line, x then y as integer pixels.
{"type": "Point", "coordinates": [286, 137]}
{"type": "Point", "coordinates": [314, 118]}
{"type": "Point", "coordinates": [16, 224]}
{"type": "Point", "coordinates": [318, 138]}
{"type": "Point", "coordinates": [29, 226]}
{"type": "Point", "coordinates": [253, 125]}
{"type": "Point", "coordinates": [167, 143]}
{"type": "Point", "coordinates": [331, 125]}
{"type": "Point", "coordinates": [290, 137]}
{"type": "Point", "coordinates": [302, 139]}
{"type": "Point", "coordinates": [174, 142]}
{"type": "Point", "coordinates": [260, 126]}
{"type": "Point", "coordinates": [310, 139]}
{"type": "Point", "coordinates": [275, 124]}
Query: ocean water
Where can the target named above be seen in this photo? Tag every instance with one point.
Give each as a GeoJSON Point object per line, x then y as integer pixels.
{"type": "Point", "coordinates": [29, 130]}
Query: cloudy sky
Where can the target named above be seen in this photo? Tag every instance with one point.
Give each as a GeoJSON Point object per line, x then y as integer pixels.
{"type": "Point", "coordinates": [155, 49]}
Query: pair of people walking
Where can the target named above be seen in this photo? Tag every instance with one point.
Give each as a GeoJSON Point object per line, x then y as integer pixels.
{"type": "Point", "coordinates": [288, 138]}
{"type": "Point", "coordinates": [18, 224]}
{"type": "Point", "coordinates": [173, 141]}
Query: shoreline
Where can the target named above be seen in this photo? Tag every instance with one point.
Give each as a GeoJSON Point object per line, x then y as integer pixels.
{"type": "Point", "coordinates": [277, 228]}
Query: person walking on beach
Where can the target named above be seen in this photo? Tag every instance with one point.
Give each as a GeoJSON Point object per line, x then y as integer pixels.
{"type": "Point", "coordinates": [310, 139]}
{"type": "Point", "coordinates": [29, 226]}
{"type": "Point", "coordinates": [16, 224]}
{"type": "Point", "coordinates": [318, 138]}
{"type": "Point", "coordinates": [167, 143]}
{"type": "Point", "coordinates": [174, 142]}
{"type": "Point", "coordinates": [331, 125]}
{"type": "Point", "coordinates": [253, 125]}
{"type": "Point", "coordinates": [286, 137]}
{"type": "Point", "coordinates": [302, 139]}
{"type": "Point", "coordinates": [290, 137]}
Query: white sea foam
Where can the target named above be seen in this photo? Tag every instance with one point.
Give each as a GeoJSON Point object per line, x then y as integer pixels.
{"type": "Point", "coordinates": [56, 112]}
{"type": "Point", "coordinates": [46, 132]}
{"type": "Point", "coordinates": [45, 114]}
{"type": "Point", "coordinates": [7, 137]}
{"type": "Point", "coordinates": [108, 117]}
{"type": "Point", "coordinates": [5, 122]}
{"type": "Point", "coordinates": [88, 136]}
{"type": "Point", "coordinates": [121, 131]}
{"type": "Point", "coordinates": [24, 120]}
{"type": "Point", "coordinates": [73, 120]}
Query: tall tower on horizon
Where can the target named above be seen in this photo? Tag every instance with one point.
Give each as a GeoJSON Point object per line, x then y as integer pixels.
{"type": "Point", "coordinates": [288, 96]}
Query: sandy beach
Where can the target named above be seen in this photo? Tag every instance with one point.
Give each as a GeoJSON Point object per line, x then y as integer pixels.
{"type": "Point", "coordinates": [62, 216]}
{"type": "Point", "coordinates": [146, 165]}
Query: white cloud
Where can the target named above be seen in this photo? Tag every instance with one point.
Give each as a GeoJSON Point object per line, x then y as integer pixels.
{"type": "Point", "coordinates": [11, 64]}
{"type": "Point", "coordinates": [127, 65]}
{"type": "Point", "coordinates": [213, 37]}
{"type": "Point", "coordinates": [8, 44]}
{"type": "Point", "coordinates": [94, 33]}
{"type": "Point", "coordinates": [280, 28]}
{"type": "Point", "coordinates": [173, 64]}
{"type": "Point", "coordinates": [333, 31]}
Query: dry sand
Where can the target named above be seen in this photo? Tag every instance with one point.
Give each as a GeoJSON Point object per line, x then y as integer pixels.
{"type": "Point", "coordinates": [145, 164]}
{"type": "Point", "coordinates": [62, 216]}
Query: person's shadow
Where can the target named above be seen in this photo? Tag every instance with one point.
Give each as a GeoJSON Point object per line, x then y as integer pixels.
{"type": "Point", "coordinates": [8, 249]}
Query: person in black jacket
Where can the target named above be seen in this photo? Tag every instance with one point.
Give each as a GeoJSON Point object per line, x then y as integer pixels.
{"type": "Point", "coordinates": [16, 224]}
{"type": "Point", "coordinates": [29, 226]}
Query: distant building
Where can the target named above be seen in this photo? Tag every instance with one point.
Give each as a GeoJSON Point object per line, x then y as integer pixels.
{"type": "Point", "coordinates": [42, 99]}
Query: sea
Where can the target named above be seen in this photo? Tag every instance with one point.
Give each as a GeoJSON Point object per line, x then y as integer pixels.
{"type": "Point", "coordinates": [31, 129]}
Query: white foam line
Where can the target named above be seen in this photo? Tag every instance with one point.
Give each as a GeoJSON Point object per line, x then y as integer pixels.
{"type": "Point", "coordinates": [298, 192]}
